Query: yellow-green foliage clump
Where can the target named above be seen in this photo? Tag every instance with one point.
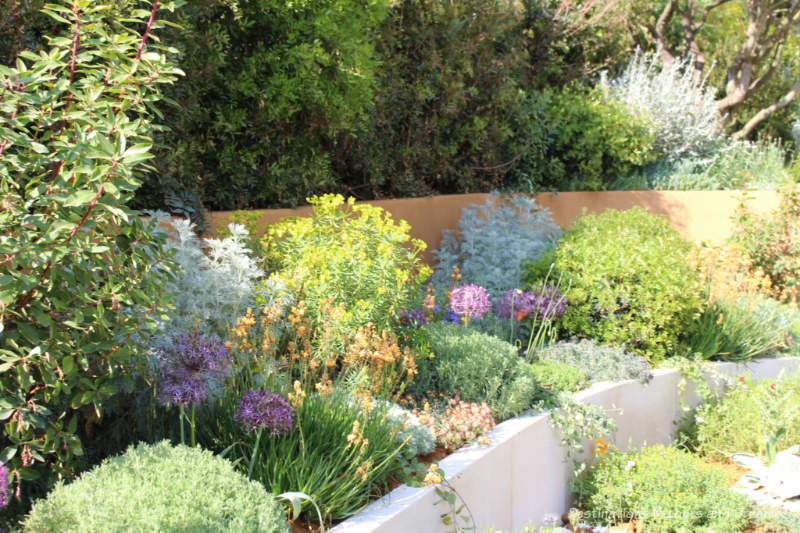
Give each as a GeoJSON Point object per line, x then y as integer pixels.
{"type": "Point", "coordinates": [355, 256]}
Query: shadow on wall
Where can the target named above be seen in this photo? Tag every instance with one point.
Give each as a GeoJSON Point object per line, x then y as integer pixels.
{"type": "Point", "coordinates": [700, 216]}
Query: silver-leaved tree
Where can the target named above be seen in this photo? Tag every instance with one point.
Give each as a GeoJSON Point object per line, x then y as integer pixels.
{"type": "Point", "coordinates": [80, 275]}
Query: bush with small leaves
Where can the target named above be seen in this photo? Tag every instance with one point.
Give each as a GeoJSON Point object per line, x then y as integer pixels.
{"type": "Point", "coordinates": [665, 488]}
{"type": "Point", "coordinates": [476, 366]}
{"type": "Point", "coordinates": [629, 281]}
{"type": "Point", "coordinates": [159, 487]}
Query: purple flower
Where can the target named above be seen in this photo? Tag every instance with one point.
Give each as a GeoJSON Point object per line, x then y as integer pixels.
{"type": "Point", "coordinates": [263, 409]}
{"type": "Point", "coordinates": [470, 301]}
{"type": "Point", "coordinates": [190, 366]}
{"type": "Point", "coordinates": [547, 301]}
{"type": "Point", "coordinates": [450, 317]}
{"type": "Point", "coordinates": [515, 303]}
{"type": "Point", "coordinates": [3, 485]}
{"type": "Point", "coordinates": [413, 317]}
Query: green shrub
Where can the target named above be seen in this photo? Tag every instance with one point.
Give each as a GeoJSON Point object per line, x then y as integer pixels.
{"type": "Point", "coordinates": [629, 281]}
{"type": "Point", "coordinates": [772, 242]}
{"type": "Point", "coordinates": [159, 488]}
{"type": "Point", "coordinates": [772, 520]}
{"type": "Point", "coordinates": [597, 362]}
{"type": "Point", "coordinates": [748, 415]}
{"type": "Point", "coordinates": [270, 88]}
{"type": "Point", "coordinates": [478, 367]}
{"type": "Point", "coordinates": [739, 331]}
{"type": "Point", "coordinates": [350, 255]}
{"type": "Point", "coordinates": [82, 277]}
{"type": "Point", "coordinates": [447, 87]}
{"type": "Point", "coordinates": [337, 452]}
{"type": "Point", "coordinates": [557, 377]}
{"type": "Point", "coordinates": [667, 489]}
{"type": "Point", "coordinates": [579, 140]}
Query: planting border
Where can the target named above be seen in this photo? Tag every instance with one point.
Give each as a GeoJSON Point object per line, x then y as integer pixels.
{"type": "Point", "coordinates": [522, 475]}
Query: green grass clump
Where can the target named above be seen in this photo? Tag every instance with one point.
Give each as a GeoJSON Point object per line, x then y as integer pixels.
{"type": "Point", "coordinates": [162, 488]}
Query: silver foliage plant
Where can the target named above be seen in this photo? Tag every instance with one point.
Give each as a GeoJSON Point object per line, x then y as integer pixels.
{"type": "Point", "coordinates": [682, 109]}
{"type": "Point", "coordinates": [410, 430]}
{"type": "Point", "coordinates": [216, 279]}
{"type": "Point", "coordinates": [494, 242]}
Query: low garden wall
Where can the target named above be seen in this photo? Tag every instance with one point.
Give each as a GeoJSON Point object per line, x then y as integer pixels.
{"type": "Point", "coordinates": [522, 475]}
{"type": "Point", "coordinates": [698, 215]}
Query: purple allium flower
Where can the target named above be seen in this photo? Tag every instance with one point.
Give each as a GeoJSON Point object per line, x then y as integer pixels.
{"type": "Point", "coordinates": [263, 409]}
{"type": "Point", "coordinates": [189, 366]}
{"type": "Point", "coordinates": [3, 485]}
{"type": "Point", "coordinates": [515, 303]}
{"type": "Point", "coordinates": [470, 301]}
{"type": "Point", "coordinates": [548, 301]}
{"type": "Point", "coordinates": [413, 317]}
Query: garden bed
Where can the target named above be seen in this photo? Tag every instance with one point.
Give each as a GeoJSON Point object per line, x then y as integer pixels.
{"type": "Point", "coordinates": [522, 475]}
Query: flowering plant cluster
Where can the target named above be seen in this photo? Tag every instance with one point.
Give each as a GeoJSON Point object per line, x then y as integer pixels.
{"type": "Point", "coordinates": [544, 301]}
{"type": "Point", "coordinates": [190, 367]}
{"type": "Point", "coordinates": [261, 409]}
{"type": "Point", "coordinates": [470, 301]}
{"type": "Point", "coordinates": [459, 424]}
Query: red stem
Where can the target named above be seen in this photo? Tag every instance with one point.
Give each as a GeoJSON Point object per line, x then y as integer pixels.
{"type": "Point", "coordinates": [147, 29]}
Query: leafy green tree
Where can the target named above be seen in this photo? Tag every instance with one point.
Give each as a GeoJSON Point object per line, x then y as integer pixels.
{"type": "Point", "coordinates": [81, 276]}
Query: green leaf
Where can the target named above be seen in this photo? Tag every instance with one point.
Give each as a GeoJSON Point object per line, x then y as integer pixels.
{"type": "Point", "coordinates": [79, 198]}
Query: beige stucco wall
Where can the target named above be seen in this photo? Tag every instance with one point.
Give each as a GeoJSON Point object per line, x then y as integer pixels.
{"type": "Point", "coordinates": [698, 215]}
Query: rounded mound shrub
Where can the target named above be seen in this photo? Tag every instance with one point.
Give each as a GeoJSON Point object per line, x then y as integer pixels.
{"type": "Point", "coordinates": [627, 280]}
{"type": "Point", "coordinates": [595, 361]}
{"type": "Point", "coordinates": [478, 367]}
{"type": "Point", "coordinates": [159, 487]}
{"type": "Point", "coordinates": [665, 488]}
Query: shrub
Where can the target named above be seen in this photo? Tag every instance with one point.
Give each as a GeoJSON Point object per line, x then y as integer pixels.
{"type": "Point", "coordinates": [417, 437]}
{"type": "Point", "coordinates": [771, 242]}
{"type": "Point", "coordinates": [746, 416]}
{"type": "Point", "coordinates": [579, 140]}
{"type": "Point", "coordinates": [215, 281]}
{"type": "Point", "coordinates": [336, 452]}
{"type": "Point", "coordinates": [270, 88]}
{"type": "Point", "coordinates": [477, 367]}
{"type": "Point", "coordinates": [733, 165]}
{"type": "Point", "coordinates": [82, 276]}
{"type": "Point", "coordinates": [773, 520]}
{"type": "Point", "coordinates": [447, 86]}
{"type": "Point", "coordinates": [629, 281]}
{"type": "Point", "coordinates": [597, 362]}
{"type": "Point", "coordinates": [665, 488]}
{"type": "Point", "coordinates": [557, 377]}
{"type": "Point", "coordinates": [350, 255]}
{"type": "Point", "coordinates": [159, 488]}
{"type": "Point", "coordinates": [682, 111]}
{"type": "Point", "coordinates": [493, 242]}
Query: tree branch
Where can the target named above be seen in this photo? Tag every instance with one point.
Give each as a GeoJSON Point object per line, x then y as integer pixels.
{"type": "Point", "coordinates": [767, 111]}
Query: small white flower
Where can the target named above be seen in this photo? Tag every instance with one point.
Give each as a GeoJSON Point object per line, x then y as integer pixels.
{"type": "Point", "coordinates": [699, 419]}
{"type": "Point", "coordinates": [629, 465]}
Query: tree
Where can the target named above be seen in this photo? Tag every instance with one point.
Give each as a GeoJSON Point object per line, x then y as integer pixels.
{"type": "Point", "coordinates": [768, 28]}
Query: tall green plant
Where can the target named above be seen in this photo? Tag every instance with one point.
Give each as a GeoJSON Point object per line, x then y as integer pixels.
{"type": "Point", "coordinates": [80, 274]}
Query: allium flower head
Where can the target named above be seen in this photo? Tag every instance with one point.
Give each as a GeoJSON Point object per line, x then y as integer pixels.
{"type": "Point", "coordinates": [263, 409]}
{"type": "Point", "coordinates": [516, 303]}
{"type": "Point", "coordinates": [3, 485]}
{"type": "Point", "coordinates": [547, 301]}
{"type": "Point", "coordinates": [190, 366]}
{"type": "Point", "coordinates": [470, 301]}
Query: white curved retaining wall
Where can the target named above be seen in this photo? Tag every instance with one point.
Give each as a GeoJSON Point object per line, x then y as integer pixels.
{"type": "Point", "coordinates": [521, 475]}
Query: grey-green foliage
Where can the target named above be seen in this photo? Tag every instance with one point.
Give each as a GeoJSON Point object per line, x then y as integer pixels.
{"type": "Point", "coordinates": [477, 366]}
{"type": "Point", "coordinates": [408, 427]}
{"type": "Point", "coordinates": [734, 165]}
{"type": "Point", "coordinates": [214, 286]}
{"type": "Point", "coordinates": [162, 488]}
{"type": "Point", "coordinates": [772, 520]}
{"type": "Point", "coordinates": [494, 241]}
{"type": "Point", "coordinates": [557, 377]}
{"type": "Point", "coordinates": [596, 361]}
{"type": "Point", "coordinates": [683, 110]}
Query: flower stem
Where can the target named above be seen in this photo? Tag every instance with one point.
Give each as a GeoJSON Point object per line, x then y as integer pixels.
{"type": "Point", "coordinates": [180, 419]}
{"type": "Point", "coordinates": [194, 439]}
{"type": "Point", "coordinates": [253, 455]}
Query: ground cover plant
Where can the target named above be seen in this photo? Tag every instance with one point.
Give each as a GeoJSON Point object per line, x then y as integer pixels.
{"type": "Point", "coordinates": [159, 487]}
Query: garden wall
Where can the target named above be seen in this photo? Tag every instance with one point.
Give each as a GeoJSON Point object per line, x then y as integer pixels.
{"type": "Point", "coordinates": [521, 475]}
{"type": "Point", "coordinates": [698, 215]}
